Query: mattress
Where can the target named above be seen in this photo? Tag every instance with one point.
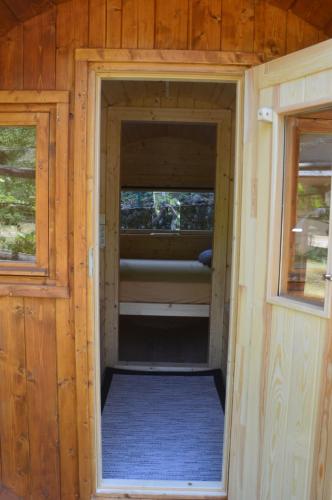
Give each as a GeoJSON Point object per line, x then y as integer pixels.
{"type": "Point", "coordinates": [170, 271]}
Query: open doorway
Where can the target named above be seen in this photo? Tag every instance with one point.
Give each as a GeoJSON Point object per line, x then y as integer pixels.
{"type": "Point", "coordinates": [165, 254]}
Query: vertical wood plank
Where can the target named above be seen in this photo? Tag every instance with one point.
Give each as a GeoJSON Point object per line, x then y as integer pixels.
{"type": "Point", "coordinates": [81, 22]}
{"type": "Point", "coordinates": [111, 346]}
{"type": "Point", "coordinates": [102, 210]}
{"type": "Point", "coordinates": [257, 315]}
{"type": "Point", "coordinates": [171, 24]}
{"type": "Point", "coordinates": [97, 23]}
{"type": "Point", "coordinates": [65, 44]}
{"type": "Point", "coordinates": [80, 281]}
{"type": "Point", "coordinates": [61, 194]}
{"type": "Point", "coordinates": [259, 35]}
{"type": "Point", "coordinates": [218, 280]}
{"type": "Point", "coordinates": [129, 24]}
{"type": "Point", "coordinates": [146, 24]}
{"type": "Point", "coordinates": [321, 485]}
{"type": "Point", "coordinates": [39, 52]}
{"type": "Point", "coordinates": [14, 429]}
{"type": "Point", "coordinates": [309, 341]}
{"type": "Point", "coordinates": [275, 32]}
{"type": "Point", "coordinates": [237, 25]}
{"type": "Point", "coordinates": [65, 343]}
{"type": "Point", "coordinates": [114, 24]}
{"type": "Point", "coordinates": [278, 390]}
{"type": "Point", "coordinates": [205, 25]}
{"type": "Point", "coordinates": [238, 478]}
{"type": "Point", "coordinates": [138, 19]}
{"type": "Point", "coordinates": [68, 37]}
{"type": "Point", "coordinates": [11, 60]}
{"type": "Point", "coordinates": [42, 397]}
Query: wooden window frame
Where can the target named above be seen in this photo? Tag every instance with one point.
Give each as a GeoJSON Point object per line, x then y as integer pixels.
{"type": "Point", "coordinates": [42, 123]}
{"type": "Point", "coordinates": [294, 127]}
{"type": "Point", "coordinates": [47, 276]}
{"type": "Point", "coordinates": [286, 132]}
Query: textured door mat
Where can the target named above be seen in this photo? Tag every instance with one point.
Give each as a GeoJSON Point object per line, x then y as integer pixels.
{"type": "Point", "coordinates": [162, 427]}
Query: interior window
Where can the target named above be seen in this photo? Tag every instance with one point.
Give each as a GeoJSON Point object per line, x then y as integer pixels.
{"type": "Point", "coordinates": [18, 193]}
{"type": "Point", "coordinates": [307, 199]}
{"type": "Point", "coordinates": [166, 211]}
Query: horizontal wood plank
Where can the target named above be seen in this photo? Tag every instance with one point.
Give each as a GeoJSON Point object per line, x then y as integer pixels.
{"type": "Point", "coordinates": [171, 56]}
{"type": "Point", "coordinates": [33, 96]}
{"type": "Point", "coordinates": [31, 290]}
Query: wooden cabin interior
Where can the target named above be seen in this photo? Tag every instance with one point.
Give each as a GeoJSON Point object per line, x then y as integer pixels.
{"type": "Point", "coordinates": [159, 274]}
{"type": "Point", "coordinates": [165, 249]}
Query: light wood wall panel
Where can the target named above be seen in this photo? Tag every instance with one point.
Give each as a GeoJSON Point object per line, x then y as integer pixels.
{"type": "Point", "coordinates": [292, 399]}
{"type": "Point", "coordinates": [282, 397]}
{"type": "Point", "coordinates": [38, 425]}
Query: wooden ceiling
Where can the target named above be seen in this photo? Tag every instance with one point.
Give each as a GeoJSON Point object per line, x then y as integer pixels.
{"type": "Point", "coordinates": [316, 12]}
{"type": "Point", "coordinates": [13, 12]}
{"type": "Point", "coordinates": [170, 94]}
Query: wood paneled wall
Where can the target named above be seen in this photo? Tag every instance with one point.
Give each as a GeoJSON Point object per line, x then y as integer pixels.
{"type": "Point", "coordinates": [38, 53]}
{"type": "Point", "coordinates": [39, 457]}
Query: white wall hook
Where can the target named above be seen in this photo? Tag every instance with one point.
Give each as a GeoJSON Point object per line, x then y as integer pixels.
{"type": "Point", "coordinates": [265, 115]}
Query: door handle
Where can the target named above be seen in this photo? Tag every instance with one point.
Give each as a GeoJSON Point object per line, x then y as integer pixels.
{"type": "Point", "coordinates": [327, 277]}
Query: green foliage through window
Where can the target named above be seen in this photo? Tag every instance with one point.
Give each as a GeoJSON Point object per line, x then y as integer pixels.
{"type": "Point", "coordinates": [167, 210]}
{"type": "Point", "coordinates": [17, 192]}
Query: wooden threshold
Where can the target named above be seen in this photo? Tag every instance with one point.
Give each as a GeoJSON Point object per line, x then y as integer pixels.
{"type": "Point", "coordinates": [117, 496]}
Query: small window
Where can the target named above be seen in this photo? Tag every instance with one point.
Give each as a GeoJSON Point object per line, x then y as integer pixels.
{"type": "Point", "coordinates": [166, 211]}
{"type": "Point", "coordinates": [24, 173]}
{"type": "Point", "coordinates": [307, 200]}
{"type": "Point", "coordinates": [18, 193]}
{"type": "Point", "coordinates": [33, 194]}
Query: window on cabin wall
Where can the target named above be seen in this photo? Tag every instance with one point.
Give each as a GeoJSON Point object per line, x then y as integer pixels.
{"type": "Point", "coordinates": [306, 210]}
{"type": "Point", "coordinates": [167, 176]}
{"type": "Point", "coordinates": [18, 193]}
{"type": "Point", "coordinates": [166, 211]}
{"type": "Point", "coordinates": [33, 195]}
{"type": "Point", "coordinates": [24, 181]}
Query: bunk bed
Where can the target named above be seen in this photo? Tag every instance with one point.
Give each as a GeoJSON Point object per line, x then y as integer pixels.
{"type": "Point", "coordinates": [150, 286]}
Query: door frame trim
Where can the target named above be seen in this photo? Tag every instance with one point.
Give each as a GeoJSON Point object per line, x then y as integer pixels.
{"type": "Point", "coordinates": [88, 77]}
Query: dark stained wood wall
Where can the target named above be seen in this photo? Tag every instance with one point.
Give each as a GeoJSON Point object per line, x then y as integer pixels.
{"type": "Point", "coordinates": [37, 342]}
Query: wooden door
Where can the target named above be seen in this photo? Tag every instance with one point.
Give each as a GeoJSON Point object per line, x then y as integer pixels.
{"type": "Point", "coordinates": [281, 443]}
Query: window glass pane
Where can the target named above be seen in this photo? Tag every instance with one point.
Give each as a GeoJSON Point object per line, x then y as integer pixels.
{"type": "Point", "coordinates": [167, 211]}
{"type": "Point", "coordinates": [309, 214]}
{"type": "Point", "coordinates": [17, 193]}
